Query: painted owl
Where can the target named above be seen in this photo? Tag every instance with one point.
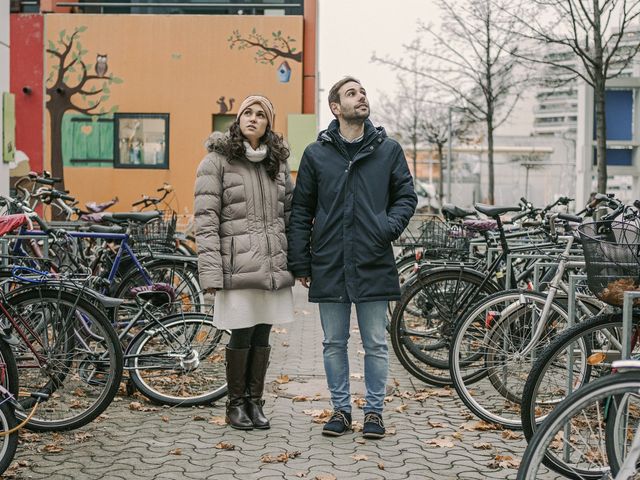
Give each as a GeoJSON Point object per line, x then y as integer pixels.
{"type": "Point", "coordinates": [101, 65]}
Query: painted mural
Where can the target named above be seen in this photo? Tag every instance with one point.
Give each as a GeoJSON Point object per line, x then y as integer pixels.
{"type": "Point", "coordinates": [74, 85]}
{"type": "Point", "coordinates": [131, 98]}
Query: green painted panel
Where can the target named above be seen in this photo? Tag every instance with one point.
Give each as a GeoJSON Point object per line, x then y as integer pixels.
{"type": "Point", "coordinates": [87, 143]}
{"type": "Point", "coordinates": [301, 131]}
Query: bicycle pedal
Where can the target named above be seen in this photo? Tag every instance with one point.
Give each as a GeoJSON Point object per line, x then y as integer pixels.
{"type": "Point", "coordinates": [40, 396]}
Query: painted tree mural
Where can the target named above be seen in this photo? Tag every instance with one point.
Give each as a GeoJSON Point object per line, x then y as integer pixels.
{"type": "Point", "coordinates": [268, 49]}
{"type": "Point", "coordinates": [70, 87]}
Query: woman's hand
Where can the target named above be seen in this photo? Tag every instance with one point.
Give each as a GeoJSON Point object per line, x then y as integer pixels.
{"type": "Point", "coordinates": [305, 281]}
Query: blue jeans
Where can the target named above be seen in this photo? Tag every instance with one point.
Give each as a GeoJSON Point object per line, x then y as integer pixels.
{"type": "Point", "coordinates": [372, 319]}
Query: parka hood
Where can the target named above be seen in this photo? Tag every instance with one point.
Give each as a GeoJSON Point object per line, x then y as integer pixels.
{"type": "Point", "coordinates": [212, 139]}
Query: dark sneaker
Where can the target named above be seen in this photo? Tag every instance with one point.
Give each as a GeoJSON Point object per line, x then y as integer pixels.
{"type": "Point", "coordinates": [338, 424]}
{"type": "Point", "coordinates": [373, 426]}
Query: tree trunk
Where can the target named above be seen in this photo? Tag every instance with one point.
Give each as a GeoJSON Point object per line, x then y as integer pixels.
{"type": "Point", "coordinates": [440, 179]}
{"type": "Point", "coordinates": [57, 167]}
{"type": "Point", "coordinates": [601, 135]}
{"type": "Point", "coordinates": [490, 160]}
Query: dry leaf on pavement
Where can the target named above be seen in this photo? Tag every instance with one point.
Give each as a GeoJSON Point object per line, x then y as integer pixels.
{"type": "Point", "coordinates": [380, 466]}
{"type": "Point", "coordinates": [282, 379]}
{"type": "Point", "coordinates": [482, 446]}
{"type": "Point", "coordinates": [139, 407]}
{"type": "Point", "coordinates": [511, 435]}
{"type": "Point", "coordinates": [401, 408]}
{"type": "Point", "coordinates": [441, 442]}
{"type": "Point", "coordinates": [164, 418]}
{"type": "Point", "coordinates": [457, 436]}
{"type": "Point", "coordinates": [51, 448]}
{"type": "Point", "coordinates": [357, 457]}
{"type": "Point", "coordinates": [82, 436]}
{"type": "Point", "coordinates": [503, 461]}
{"type": "Point", "coordinates": [300, 398]}
{"type": "Point", "coordinates": [225, 446]}
{"type": "Point", "coordinates": [435, 424]}
{"type": "Point", "coordinates": [218, 421]}
{"type": "Point", "coordinates": [360, 402]}
{"type": "Point", "coordinates": [325, 476]}
{"type": "Point", "coordinates": [199, 418]}
{"type": "Point", "coordinates": [176, 451]}
{"type": "Point", "coordinates": [479, 426]}
{"type": "Point", "coordinates": [280, 458]}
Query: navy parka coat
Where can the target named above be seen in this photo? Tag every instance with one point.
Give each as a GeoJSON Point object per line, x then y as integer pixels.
{"type": "Point", "coordinates": [346, 213]}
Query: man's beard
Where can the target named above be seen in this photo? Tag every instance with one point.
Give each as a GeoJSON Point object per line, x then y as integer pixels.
{"type": "Point", "coordinates": [355, 116]}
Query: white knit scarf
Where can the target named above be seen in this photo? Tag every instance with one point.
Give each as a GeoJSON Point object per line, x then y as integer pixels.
{"type": "Point", "coordinates": [256, 155]}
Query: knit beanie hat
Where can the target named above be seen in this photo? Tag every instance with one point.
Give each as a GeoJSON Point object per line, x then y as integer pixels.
{"type": "Point", "coordinates": [264, 102]}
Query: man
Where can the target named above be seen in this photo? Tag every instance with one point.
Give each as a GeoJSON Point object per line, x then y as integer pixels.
{"type": "Point", "coordinates": [354, 195]}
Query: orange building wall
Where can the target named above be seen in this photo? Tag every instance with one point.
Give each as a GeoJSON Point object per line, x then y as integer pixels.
{"type": "Point", "coordinates": [178, 65]}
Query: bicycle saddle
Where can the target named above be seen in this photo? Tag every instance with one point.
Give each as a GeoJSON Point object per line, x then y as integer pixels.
{"type": "Point", "coordinates": [451, 212]}
{"type": "Point", "coordinates": [140, 217]}
{"type": "Point", "coordinates": [493, 211]}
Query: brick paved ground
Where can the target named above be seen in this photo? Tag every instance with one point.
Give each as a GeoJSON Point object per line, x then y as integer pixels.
{"type": "Point", "coordinates": [172, 443]}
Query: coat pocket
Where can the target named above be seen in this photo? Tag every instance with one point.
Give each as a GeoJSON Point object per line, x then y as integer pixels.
{"type": "Point", "coordinates": [232, 260]}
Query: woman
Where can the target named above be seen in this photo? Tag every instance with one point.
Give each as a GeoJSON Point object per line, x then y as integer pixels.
{"type": "Point", "coordinates": [242, 203]}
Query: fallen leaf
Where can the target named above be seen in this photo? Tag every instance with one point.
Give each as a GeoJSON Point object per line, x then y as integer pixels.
{"type": "Point", "coordinates": [78, 392]}
{"type": "Point", "coordinates": [325, 476]}
{"type": "Point", "coordinates": [457, 436]}
{"type": "Point", "coordinates": [139, 407]}
{"type": "Point", "coordinates": [51, 448]}
{"type": "Point", "coordinates": [435, 424]}
{"type": "Point", "coordinates": [301, 474]}
{"type": "Point", "coordinates": [503, 461]}
{"type": "Point", "coordinates": [441, 442]}
{"type": "Point", "coordinates": [199, 418]}
{"type": "Point", "coordinates": [390, 431]}
{"type": "Point", "coordinates": [361, 352]}
{"type": "Point", "coordinates": [218, 421]}
{"type": "Point", "coordinates": [388, 399]}
{"type": "Point", "coordinates": [282, 379]}
{"type": "Point", "coordinates": [279, 330]}
{"type": "Point", "coordinates": [479, 426]}
{"type": "Point", "coordinates": [511, 435]}
{"type": "Point", "coordinates": [401, 408]}
{"type": "Point", "coordinates": [164, 418]}
{"type": "Point", "coordinates": [356, 376]}
{"type": "Point", "coordinates": [225, 446]}
{"type": "Point", "coordinates": [82, 436]}
{"type": "Point", "coordinates": [28, 437]}
{"type": "Point", "coordinates": [175, 451]}
{"type": "Point", "coordinates": [280, 458]}
{"type": "Point", "coordinates": [356, 426]}
{"type": "Point", "coordinates": [380, 466]}
{"type": "Point", "coordinates": [300, 398]}
{"type": "Point", "coordinates": [357, 457]}
{"type": "Point", "coordinates": [360, 402]}
{"type": "Point", "coordinates": [285, 344]}
{"type": "Point", "coordinates": [319, 416]}
{"type": "Point", "coordinates": [361, 441]}
{"type": "Point", "coordinates": [482, 446]}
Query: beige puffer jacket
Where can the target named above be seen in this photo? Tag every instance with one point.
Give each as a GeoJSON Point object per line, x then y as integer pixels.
{"type": "Point", "coordinates": [241, 216]}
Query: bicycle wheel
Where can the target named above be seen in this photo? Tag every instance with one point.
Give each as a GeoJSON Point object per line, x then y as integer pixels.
{"type": "Point", "coordinates": [72, 354]}
{"type": "Point", "coordinates": [572, 439]}
{"type": "Point", "coordinates": [580, 354]}
{"type": "Point", "coordinates": [424, 318]}
{"type": "Point", "coordinates": [8, 443]}
{"type": "Point", "coordinates": [487, 352]}
{"type": "Point", "coordinates": [621, 424]}
{"type": "Point", "coordinates": [179, 361]}
{"type": "Point", "coordinates": [181, 275]}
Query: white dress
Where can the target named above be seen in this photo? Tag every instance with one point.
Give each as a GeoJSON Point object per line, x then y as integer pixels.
{"type": "Point", "coordinates": [248, 307]}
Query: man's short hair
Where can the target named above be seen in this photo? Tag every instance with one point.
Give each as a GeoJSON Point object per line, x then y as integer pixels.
{"type": "Point", "coordinates": [334, 95]}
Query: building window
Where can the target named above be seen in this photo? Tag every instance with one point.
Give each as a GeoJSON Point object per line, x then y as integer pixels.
{"type": "Point", "coordinates": [221, 122]}
{"type": "Point", "coordinates": [141, 140]}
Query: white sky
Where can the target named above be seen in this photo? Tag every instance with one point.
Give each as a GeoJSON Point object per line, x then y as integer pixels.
{"type": "Point", "coordinates": [351, 30]}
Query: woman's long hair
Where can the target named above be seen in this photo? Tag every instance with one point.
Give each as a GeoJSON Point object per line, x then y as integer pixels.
{"type": "Point", "coordinates": [232, 147]}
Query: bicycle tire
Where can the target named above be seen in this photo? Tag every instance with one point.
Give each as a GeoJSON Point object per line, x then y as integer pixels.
{"type": "Point", "coordinates": [83, 359]}
{"type": "Point", "coordinates": [8, 443]}
{"type": "Point", "coordinates": [587, 402]}
{"type": "Point", "coordinates": [172, 356]}
{"type": "Point", "coordinates": [542, 392]}
{"type": "Point", "coordinates": [462, 286]}
{"type": "Point", "coordinates": [485, 352]}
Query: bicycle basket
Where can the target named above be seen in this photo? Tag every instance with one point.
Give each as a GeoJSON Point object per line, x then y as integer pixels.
{"type": "Point", "coordinates": [157, 235]}
{"type": "Point", "coordinates": [612, 258]}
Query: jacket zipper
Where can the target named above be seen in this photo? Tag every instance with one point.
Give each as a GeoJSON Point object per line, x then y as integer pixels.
{"type": "Point", "coordinates": [264, 219]}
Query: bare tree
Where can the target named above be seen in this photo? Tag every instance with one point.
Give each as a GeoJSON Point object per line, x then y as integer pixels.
{"type": "Point", "coordinates": [412, 118]}
{"type": "Point", "coordinates": [472, 60]}
{"type": "Point", "coordinates": [595, 32]}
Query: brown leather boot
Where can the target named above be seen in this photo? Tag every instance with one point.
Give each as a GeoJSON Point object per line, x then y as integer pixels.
{"type": "Point", "coordinates": [258, 364]}
{"type": "Point", "coordinates": [236, 411]}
